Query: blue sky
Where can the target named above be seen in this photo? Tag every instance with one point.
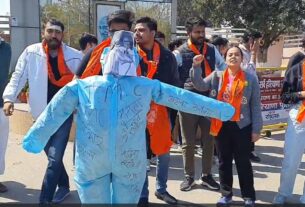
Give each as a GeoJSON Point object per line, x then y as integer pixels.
{"type": "Point", "coordinates": [5, 7]}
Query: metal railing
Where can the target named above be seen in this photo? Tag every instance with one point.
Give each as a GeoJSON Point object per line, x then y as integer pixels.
{"type": "Point", "coordinates": [292, 41]}
{"type": "Point", "coordinates": [229, 33]}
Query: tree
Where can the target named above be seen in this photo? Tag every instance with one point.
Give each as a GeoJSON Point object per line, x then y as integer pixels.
{"type": "Point", "coordinates": [160, 12]}
{"type": "Point", "coordinates": [271, 17]}
{"type": "Point", "coordinates": [74, 15]}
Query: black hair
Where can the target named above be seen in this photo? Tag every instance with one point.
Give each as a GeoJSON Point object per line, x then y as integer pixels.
{"type": "Point", "coordinates": [241, 52]}
{"type": "Point", "coordinates": [250, 34]}
{"type": "Point", "coordinates": [121, 16]}
{"type": "Point", "coordinates": [54, 22]}
{"type": "Point", "coordinates": [150, 22]}
{"type": "Point", "coordinates": [160, 34]}
{"type": "Point", "coordinates": [85, 39]}
{"type": "Point", "coordinates": [191, 22]}
{"type": "Point", "coordinates": [219, 41]}
{"type": "Point", "coordinates": [175, 43]}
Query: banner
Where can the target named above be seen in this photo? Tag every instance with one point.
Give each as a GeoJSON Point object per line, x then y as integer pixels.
{"type": "Point", "coordinates": [270, 83]}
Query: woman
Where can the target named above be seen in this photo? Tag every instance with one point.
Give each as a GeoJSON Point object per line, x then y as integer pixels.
{"type": "Point", "coordinates": [234, 137]}
{"type": "Point", "coordinates": [293, 93]}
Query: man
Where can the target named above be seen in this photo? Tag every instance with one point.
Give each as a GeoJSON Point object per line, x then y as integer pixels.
{"type": "Point", "coordinates": [90, 65]}
{"type": "Point", "coordinates": [47, 66]}
{"type": "Point", "coordinates": [112, 111]}
{"type": "Point", "coordinates": [157, 63]}
{"type": "Point", "coordinates": [189, 123]}
{"type": "Point", "coordinates": [5, 59]}
{"type": "Point", "coordinates": [86, 42]}
{"type": "Point", "coordinates": [249, 46]}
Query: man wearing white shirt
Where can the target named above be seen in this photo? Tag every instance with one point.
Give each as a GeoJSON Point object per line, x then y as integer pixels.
{"type": "Point", "coordinates": [47, 66]}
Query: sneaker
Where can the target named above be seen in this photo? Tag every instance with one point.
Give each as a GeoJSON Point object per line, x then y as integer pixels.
{"type": "Point", "coordinates": [249, 203]}
{"type": "Point", "coordinates": [166, 197]}
{"type": "Point", "coordinates": [176, 148]}
{"type": "Point", "coordinates": [143, 202]}
{"type": "Point", "coordinates": [187, 184]}
{"type": "Point", "coordinates": [279, 199]}
{"type": "Point", "coordinates": [209, 182]}
{"type": "Point", "coordinates": [153, 160]}
{"type": "Point", "coordinates": [3, 188]}
{"type": "Point", "coordinates": [148, 165]}
{"type": "Point", "coordinates": [224, 201]}
{"type": "Point", "coordinates": [61, 194]}
{"type": "Point", "coordinates": [199, 151]}
{"type": "Point", "coordinates": [254, 157]}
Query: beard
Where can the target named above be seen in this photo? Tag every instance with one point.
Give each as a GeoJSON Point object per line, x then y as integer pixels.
{"type": "Point", "coordinates": [197, 41]}
{"type": "Point", "coordinates": [53, 44]}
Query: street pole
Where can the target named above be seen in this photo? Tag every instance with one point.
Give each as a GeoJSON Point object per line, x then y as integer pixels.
{"type": "Point", "coordinates": [174, 19]}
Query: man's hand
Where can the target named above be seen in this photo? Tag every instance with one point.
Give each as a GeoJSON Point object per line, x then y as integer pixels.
{"type": "Point", "coordinates": [8, 108]}
{"type": "Point", "coordinates": [197, 60]}
{"type": "Point", "coordinates": [255, 137]}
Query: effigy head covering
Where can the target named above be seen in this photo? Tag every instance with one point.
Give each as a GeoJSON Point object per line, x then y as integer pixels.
{"type": "Point", "coordinates": [121, 58]}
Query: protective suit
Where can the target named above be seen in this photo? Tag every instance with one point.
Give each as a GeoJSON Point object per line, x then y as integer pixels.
{"type": "Point", "coordinates": [110, 162]}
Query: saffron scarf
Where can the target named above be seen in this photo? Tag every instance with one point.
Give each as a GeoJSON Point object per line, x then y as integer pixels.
{"type": "Point", "coordinates": [235, 97]}
{"type": "Point", "coordinates": [158, 123]}
{"type": "Point", "coordinates": [65, 74]}
{"type": "Point", "coordinates": [207, 68]}
{"type": "Point", "coordinates": [94, 66]}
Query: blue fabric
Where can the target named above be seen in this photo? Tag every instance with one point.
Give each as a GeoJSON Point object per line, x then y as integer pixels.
{"type": "Point", "coordinates": [56, 174]}
{"type": "Point", "coordinates": [162, 172]}
{"type": "Point", "coordinates": [111, 122]}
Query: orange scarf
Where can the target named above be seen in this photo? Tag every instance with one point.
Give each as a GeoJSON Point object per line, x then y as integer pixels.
{"type": "Point", "coordinates": [94, 66]}
{"type": "Point", "coordinates": [152, 65]}
{"type": "Point", "coordinates": [158, 123]}
{"type": "Point", "coordinates": [65, 74]}
{"type": "Point", "coordinates": [207, 67]}
{"type": "Point", "coordinates": [235, 98]}
{"type": "Point", "coordinates": [301, 112]}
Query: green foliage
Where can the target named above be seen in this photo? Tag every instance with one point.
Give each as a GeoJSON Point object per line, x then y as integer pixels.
{"type": "Point", "coordinates": [160, 12]}
{"type": "Point", "coordinates": [271, 17]}
{"type": "Point", "coordinates": [74, 15]}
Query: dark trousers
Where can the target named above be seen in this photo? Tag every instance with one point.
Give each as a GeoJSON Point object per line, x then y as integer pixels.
{"type": "Point", "coordinates": [233, 142]}
{"type": "Point", "coordinates": [56, 174]}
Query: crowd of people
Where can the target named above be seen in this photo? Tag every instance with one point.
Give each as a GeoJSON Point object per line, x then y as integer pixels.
{"type": "Point", "coordinates": [129, 92]}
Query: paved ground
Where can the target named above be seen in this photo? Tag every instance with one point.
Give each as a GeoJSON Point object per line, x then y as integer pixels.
{"type": "Point", "coordinates": [24, 173]}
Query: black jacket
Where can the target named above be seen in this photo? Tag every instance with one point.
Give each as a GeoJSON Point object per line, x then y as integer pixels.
{"type": "Point", "coordinates": [167, 71]}
{"type": "Point", "coordinates": [292, 84]}
{"type": "Point", "coordinates": [187, 60]}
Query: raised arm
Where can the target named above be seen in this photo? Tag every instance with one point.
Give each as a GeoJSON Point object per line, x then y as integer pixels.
{"type": "Point", "coordinates": [54, 115]}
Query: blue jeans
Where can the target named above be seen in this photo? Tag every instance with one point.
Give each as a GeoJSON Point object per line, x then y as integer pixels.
{"type": "Point", "coordinates": [161, 175]}
{"type": "Point", "coordinates": [56, 174]}
{"type": "Point", "coordinates": [294, 147]}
